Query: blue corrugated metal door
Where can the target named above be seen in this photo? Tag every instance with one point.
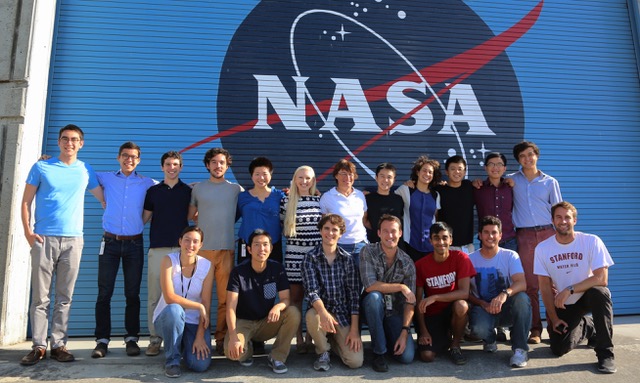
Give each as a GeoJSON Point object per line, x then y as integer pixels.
{"type": "Point", "coordinates": [313, 81]}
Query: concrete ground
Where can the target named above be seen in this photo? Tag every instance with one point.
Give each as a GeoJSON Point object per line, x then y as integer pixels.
{"type": "Point", "coordinates": [577, 366]}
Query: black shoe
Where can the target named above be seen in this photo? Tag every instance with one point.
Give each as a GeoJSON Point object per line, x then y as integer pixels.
{"type": "Point", "coordinates": [606, 366]}
{"type": "Point", "coordinates": [591, 343]}
{"type": "Point", "coordinates": [33, 357]}
{"type": "Point", "coordinates": [258, 348]}
{"type": "Point", "coordinates": [379, 363]}
{"type": "Point", "coordinates": [100, 351]}
{"type": "Point", "coordinates": [457, 357]}
{"type": "Point", "coordinates": [501, 335]}
{"type": "Point", "coordinates": [132, 348]}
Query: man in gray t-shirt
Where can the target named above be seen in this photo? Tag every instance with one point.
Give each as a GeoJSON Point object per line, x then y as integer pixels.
{"type": "Point", "coordinates": [213, 206]}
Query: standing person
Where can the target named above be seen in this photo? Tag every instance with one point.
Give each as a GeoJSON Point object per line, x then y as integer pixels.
{"type": "Point", "coordinates": [259, 208]}
{"type": "Point", "coordinates": [349, 203]}
{"type": "Point", "coordinates": [167, 206]}
{"type": "Point", "coordinates": [456, 201]}
{"type": "Point", "coordinates": [331, 282]}
{"type": "Point", "coordinates": [573, 269]}
{"type": "Point", "coordinates": [252, 311]}
{"type": "Point", "coordinates": [498, 293]}
{"type": "Point", "coordinates": [182, 313]}
{"type": "Point", "coordinates": [389, 279]}
{"type": "Point", "coordinates": [442, 290]}
{"type": "Point", "coordinates": [421, 205]}
{"type": "Point", "coordinates": [122, 241]}
{"type": "Point", "coordinates": [300, 213]}
{"type": "Point", "coordinates": [494, 197]}
{"type": "Point", "coordinates": [58, 185]}
{"type": "Point", "coordinates": [213, 202]}
{"type": "Point", "coordinates": [382, 201]}
{"type": "Point", "coordinates": [534, 193]}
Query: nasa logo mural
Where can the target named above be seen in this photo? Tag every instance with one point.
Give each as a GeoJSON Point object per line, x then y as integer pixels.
{"type": "Point", "coordinates": [311, 82]}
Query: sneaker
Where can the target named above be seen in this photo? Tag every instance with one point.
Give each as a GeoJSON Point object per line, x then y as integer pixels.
{"type": "Point", "coordinates": [323, 363]}
{"type": "Point", "coordinates": [519, 358]}
{"type": "Point", "coordinates": [100, 351]}
{"type": "Point", "coordinates": [607, 366]}
{"type": "Point", "coordinates": [61, 354]}
{"type": "Point", "coordinates": [246, 362]}
{"type": "Point", "coordinates": [277, 366]}
{"type": "Point", "coordinates": [456, 356]}
{"type": "Point", "coordinates": [132, 348]}
{"type": "Point", "coordinates": [501, 335]}
{"type": "Point", "coordinates": [153, 349]}
{"type": "Point", "coordinates": [34, 356]}
{"type": "Point", "coordinates": [490, 347]}
{"type": "Point", "coordinates": [379, 363]}
{"type": "Point", "coordinates": [172, 371]}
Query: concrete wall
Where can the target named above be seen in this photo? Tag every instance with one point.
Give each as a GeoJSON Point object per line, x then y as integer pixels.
{"type": "Point", "coordinates": [26, 34]}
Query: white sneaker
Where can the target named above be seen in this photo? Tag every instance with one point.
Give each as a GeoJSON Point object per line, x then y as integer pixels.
{"type": "Point", "coordinates": [490, 347]}
{"type": "Point", "coordinates": [323, 363]}
{"type": "Point", "coordinates": [519, 358]}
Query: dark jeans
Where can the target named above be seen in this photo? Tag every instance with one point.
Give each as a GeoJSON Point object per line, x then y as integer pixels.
{"type": "Point", "coordinates": [132, 256]}
{"type": "Point", "coordinates": [596, 300]}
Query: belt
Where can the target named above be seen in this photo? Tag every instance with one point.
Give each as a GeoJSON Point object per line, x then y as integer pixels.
{"type": "Point", "coordinates": [535, 228]}
{"type": "Point", "coordinates": [122, 237]}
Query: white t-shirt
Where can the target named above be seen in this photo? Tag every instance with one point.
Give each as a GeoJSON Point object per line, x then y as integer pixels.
{"type": "Point", "coordinates": [351, 209]}
{"type": "Point", "coordinates": [572, 263]}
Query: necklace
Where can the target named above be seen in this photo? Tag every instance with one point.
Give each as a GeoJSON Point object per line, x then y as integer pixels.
{"type": "Point", "coordinates": [195, 265]}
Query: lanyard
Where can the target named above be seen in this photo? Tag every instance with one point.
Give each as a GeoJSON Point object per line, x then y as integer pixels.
{"type": "Point", "coordinates": [184, 295]}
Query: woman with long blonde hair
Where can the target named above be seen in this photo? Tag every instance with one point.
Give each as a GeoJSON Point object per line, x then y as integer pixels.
{"type": "Point", "coordinates": [300, 213]}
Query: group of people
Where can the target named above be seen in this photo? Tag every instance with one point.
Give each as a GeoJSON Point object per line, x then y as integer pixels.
{"type": "Point", "coordinates": [388, 258]}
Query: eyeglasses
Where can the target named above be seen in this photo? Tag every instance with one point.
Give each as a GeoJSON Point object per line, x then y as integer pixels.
{"type": "Point", "coordinates": [495, 165]}
{"type": "Point", "coordinates": [75, 140]}
{"type": "Point", "coordinates": [345, 174]}
{"type": "Point", "coordinates": [128, 157]}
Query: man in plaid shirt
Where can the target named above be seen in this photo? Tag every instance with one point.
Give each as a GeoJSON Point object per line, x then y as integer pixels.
{"type": "Point", "coordinates": [331, 282]}
{"type": "Point", "coordinates": [389, 278]}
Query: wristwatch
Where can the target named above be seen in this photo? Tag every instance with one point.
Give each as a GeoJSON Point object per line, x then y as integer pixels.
{"type": "Point", "coordinates": [570, 288]}
{"type": "Point", "coordinates": [406, 328]}
{"type": "Point", "coordinates": [507, 293]}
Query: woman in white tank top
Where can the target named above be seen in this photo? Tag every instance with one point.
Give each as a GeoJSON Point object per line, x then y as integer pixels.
{"type": "Point", "coordinates": [182, 314]}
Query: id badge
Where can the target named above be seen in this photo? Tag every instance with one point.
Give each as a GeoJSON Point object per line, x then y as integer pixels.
{"type": "Point", "coordinates": [388, 302]}
{"type": "Point", "coordinates": [101, 248]}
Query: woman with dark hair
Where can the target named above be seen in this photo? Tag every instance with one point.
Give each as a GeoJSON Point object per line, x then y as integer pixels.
{"type": "Point", "coordinates": [259, 208]}
{"type": "Point", "coordinates": [182, 315]}
{"type": "Point", "coordinates": [421, 205]}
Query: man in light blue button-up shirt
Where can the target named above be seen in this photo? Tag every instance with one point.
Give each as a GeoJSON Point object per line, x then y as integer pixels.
{"type": "Point", "coordinates": [124, 193]}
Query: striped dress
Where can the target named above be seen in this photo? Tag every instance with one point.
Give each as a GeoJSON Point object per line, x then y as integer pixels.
{"type": "Point", "coordinates": [308, 236]}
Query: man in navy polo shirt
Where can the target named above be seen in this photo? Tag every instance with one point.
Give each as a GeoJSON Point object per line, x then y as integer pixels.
{"type": "Point", "coordinates": [167, 205]}
{"type": "Point", "coordinates": [124, 192]}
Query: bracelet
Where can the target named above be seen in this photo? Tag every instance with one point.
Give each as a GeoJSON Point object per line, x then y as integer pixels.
{"type": "Point", "coordinates": [406, 328]}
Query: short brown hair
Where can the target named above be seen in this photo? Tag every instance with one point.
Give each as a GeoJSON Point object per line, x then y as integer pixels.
{"type": "Point", "coordinates": [344, 165]}
{"type": "Point", "coordinates": [566, 205]}
{"type": "Point", "coordinates": [334, 219]}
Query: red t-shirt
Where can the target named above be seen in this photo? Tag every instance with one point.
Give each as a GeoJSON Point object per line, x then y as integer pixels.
{"type": "Point", "coordinates": [441, 278]}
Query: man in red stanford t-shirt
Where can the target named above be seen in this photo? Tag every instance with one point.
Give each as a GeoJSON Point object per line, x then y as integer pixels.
{"type": "Point", "coordinates": [442, 280]}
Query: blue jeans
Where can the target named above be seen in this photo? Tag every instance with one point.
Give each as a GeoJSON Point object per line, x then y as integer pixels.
{"type": "Point", "coordinates": [515, 314]}
{"type": "Point", "coordinates": [131, 253]}
{"type": "Point", "coordinates": [511, 244]}
{"type": "Point", "coordinates": [354, 250]}
{"type": "Point", "coordinates": [178, 338]}
{"type": "Point", "coordinates": [385, 330]}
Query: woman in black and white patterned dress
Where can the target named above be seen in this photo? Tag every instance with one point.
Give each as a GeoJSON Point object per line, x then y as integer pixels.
{"type": "Point", "coordinates": [300, 213]}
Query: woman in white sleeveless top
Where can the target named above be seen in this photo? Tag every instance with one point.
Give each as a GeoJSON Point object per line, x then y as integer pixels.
{"type": "Point", "coordinates": [182, 314]}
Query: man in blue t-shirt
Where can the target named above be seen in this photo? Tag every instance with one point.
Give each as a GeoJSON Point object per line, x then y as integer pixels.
{"type": "Point", "coordinates": [498, 293]}
{"type": "Point", "coordinates": [252, 311]}
{"type": "Point", "coordinates": [58, 185]}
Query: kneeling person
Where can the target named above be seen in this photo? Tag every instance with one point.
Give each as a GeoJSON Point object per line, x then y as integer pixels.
{"type": "Point", "coordinates": [252, 311]}
{"type": "Point", "coordinates": [442, 288]}
{"type": "Point", "coordinates": [331, 282]}
{"type": "Point", "coordinates": [498, 293]}
{"type": "Point", "coordinates": [181, 317]}
{"type": "Point", "coordinates": [389, 278]}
